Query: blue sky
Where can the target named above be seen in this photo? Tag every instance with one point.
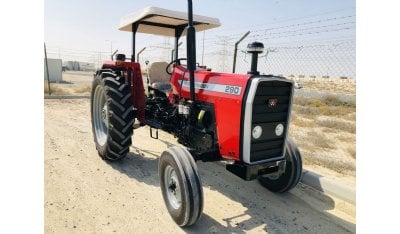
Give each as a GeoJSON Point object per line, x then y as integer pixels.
{"type": "Point", "coordinates": [85, 31]}
{"type": "Point", "coordinates": [88, 24]}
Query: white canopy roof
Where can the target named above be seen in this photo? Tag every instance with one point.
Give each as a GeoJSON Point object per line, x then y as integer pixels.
{"type": "Point", "coordinates": [159, 21]}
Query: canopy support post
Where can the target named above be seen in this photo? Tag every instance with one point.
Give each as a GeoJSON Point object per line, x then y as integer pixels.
{"type": "Point", "coordinates": [134, 29]}
{"type": "Point", "coordinates": [191, 50]}
{"type": "Point", "coordinates": [178, 34]}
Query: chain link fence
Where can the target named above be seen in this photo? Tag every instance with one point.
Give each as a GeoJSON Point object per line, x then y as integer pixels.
{"type": "Point", "coordinates": [288, 50]}
{"type": "Point", "coordinates": [333, 61]}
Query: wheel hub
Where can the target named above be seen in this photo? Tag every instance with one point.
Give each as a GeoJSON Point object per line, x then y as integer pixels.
{"type": "Point", "coordinates": [100, 115]}
{"type": "Point", "coordinates": [104, 115]}
{"type": "Point", "coordinates": [173, 188]}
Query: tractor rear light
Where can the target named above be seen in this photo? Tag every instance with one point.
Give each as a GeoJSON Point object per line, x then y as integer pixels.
{"type": "Point", "coordinates": [257, 131]}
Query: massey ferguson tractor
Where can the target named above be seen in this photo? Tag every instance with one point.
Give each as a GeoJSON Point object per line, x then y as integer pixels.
{"type": "Point", "coordinates": [240, 118]}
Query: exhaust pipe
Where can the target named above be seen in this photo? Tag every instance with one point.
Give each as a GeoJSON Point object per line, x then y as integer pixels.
{"type": "Point", "coordinates": [191, 49]}
{"type": "Point", "coordinates": [254, 49]}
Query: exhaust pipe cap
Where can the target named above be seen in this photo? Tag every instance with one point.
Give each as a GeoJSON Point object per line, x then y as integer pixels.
{"type": "Point", "coordinates": [255, 47]}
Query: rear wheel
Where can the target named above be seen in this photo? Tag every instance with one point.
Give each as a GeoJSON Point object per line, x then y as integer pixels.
{"type": "Point", "coordinates": [291, 177]}
{"type": "Point", "coordinates": [180, 186]}
{"type": "Point", "coordinates": [112, 115]}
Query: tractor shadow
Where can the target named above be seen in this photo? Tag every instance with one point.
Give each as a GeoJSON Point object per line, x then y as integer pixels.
{"type": "Point", "coordinates": [264, 210]}
{"type": "Point", "coordinates": [138, 167]}
{"type": "Point", "coordinates": [145, 169]}
{"type": "Point", "coordinates": [273, 212]}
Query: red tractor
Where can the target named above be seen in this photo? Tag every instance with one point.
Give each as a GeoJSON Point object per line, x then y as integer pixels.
{"type": "Point", "coordinates": [243, 119]}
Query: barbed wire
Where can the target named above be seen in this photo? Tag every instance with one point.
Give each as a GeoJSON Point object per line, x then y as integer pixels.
{"type": "Point", "coordinates": [327, 48]}
{"type": "Point", "coordinates": [288, 26]}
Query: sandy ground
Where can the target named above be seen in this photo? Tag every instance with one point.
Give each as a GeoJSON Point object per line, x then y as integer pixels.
{"type": "Point", "coordinates": [332, 86]}
{"type": "Point", "coordinates": [337, 157]}
{"type": "Point", "coordinates": [74, 83]}
{"type": "Point", "coordinates": [84, 194]}
{"type": "Point", "coordinates": [326, 149]}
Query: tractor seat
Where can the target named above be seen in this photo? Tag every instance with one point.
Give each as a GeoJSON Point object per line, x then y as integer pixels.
{"type": "Point", "coordinates": [159, 78]}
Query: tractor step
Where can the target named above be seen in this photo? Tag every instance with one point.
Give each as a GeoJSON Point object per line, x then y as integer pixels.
{"type": "Point", "coordinates": [153, 124]}
{"type": "Point", "coordinates": [151, 133]}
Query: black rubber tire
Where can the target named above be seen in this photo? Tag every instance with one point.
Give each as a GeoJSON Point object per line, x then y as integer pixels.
{"type": "Point", "coordinates": [120, 115]}
{"type": "Point", "coordinates": [185, 168]}
{"type": "Point", "coordinates": [293, 171]}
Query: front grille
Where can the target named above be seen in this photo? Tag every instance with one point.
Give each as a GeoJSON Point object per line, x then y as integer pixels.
{"type": "Point", "coordinates": [269, 145]}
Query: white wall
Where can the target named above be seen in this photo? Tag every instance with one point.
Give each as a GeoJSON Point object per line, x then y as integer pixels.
{"type": "Point", "coordinates": [55, 69]}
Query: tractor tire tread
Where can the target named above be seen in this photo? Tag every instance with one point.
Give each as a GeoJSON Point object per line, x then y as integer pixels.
{"type": "Point", "coordinates": [193, 195]}
{"type": "Point", "coordinates": [293, 171]}
{"type": "Point", "coordinates": [121, 115]}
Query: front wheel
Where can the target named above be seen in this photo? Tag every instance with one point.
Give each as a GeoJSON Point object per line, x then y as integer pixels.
{"type": "Point", "coordinates": [112, 115]}
{"type": "Point", "coordinates": [180, 185]}
{"type": "Point", "coordinates": [291, 177]}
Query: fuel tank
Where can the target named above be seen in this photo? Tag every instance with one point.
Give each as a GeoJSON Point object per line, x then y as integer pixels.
{"type": "Point", "coordinates": [225, 91]}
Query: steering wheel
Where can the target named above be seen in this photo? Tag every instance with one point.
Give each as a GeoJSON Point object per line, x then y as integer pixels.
{"type": "Point", "coordinates": [176, 61]}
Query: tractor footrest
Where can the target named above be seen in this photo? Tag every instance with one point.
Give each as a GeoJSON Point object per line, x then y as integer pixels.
{"type": "Point", "coordinates": [251, 172]}
{"type": "Point", "coordinates": [151, 133]}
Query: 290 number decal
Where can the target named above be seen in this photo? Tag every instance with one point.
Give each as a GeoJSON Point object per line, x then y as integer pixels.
{"type": "Point", "coordinates": [232, 89]}
{"type": "Point", "coordinates": [220, 88]}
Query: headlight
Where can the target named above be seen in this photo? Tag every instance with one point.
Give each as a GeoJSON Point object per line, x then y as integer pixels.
{"type": "Point", "coordinates": [257, 131]}
{"type": "Point", "coordinates": [279, 129]}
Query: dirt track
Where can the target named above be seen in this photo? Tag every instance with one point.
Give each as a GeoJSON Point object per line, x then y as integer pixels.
{"type": "Point", "coordinates": [84, 194]}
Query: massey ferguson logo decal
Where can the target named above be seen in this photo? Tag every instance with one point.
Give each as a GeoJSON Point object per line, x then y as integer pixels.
{"type": "Point", "coordinates": [272, 102]}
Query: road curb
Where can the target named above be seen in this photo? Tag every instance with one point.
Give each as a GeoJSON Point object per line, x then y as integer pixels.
{"type": "Point", "coordinates": [329, 186]}
{"type": "Point", "coordinates": [66, 97]}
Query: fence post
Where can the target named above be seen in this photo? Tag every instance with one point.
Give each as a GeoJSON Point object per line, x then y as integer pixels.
{"type": "Point", "coordinates": [112, 55]}
{"type": "Point", "coordinates": [235, 51]}
{"type": "Point", "coordinates": [141, 51]}
{"type": "Point", "coordinates": [47, 68]}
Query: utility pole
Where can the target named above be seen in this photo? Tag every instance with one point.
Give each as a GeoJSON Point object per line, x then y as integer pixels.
{"type": "Point", "coordinates": [223, 53]}
{"type": "Point", "coordinates": [98, 59]}
{"type": "Point", "coordinates": [173, 51]}
{"type": "Point", "coordinates": [202, 53]}
{"type": "Point", "coordinates": [166, 45]}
